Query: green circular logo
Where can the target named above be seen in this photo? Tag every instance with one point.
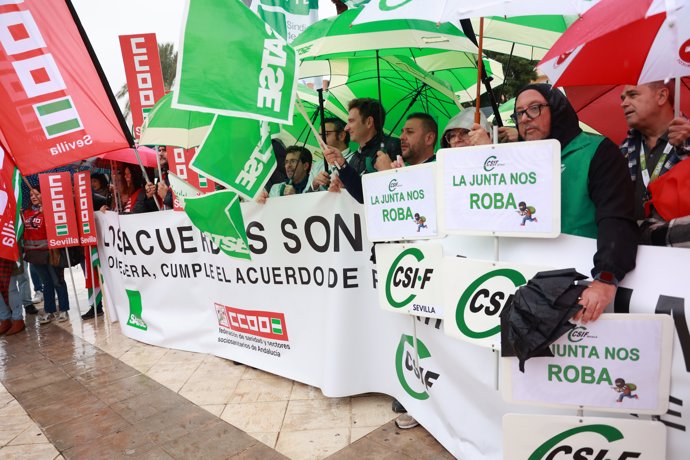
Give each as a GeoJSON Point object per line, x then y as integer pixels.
{"type": "Point", "coordinates": [417, 254]}
{"type": "Point", "coordinates": [385, 5]}
{"type": "Point", "coordinates": [399, 359]}
{"type": "Point", "coordinates": [513, 275]}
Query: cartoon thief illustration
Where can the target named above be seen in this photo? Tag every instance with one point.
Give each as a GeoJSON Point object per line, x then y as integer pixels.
{"type": "Point", "coordinates": [526, 212]}
{"type": "Point", "coordinates": [420, 221]}
{"type": "Point", "coordinates": [625, 390]}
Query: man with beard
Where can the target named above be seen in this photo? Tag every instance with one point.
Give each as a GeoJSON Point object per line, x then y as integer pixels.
{"type": "Point", "coordinates": [297, 165]}
{"type": "Point", "coordinates": [417, 142]}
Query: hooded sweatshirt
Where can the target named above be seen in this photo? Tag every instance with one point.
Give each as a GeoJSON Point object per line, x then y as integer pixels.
{"type": "Point", "coordinates": [464, 120]}
{"type": "Point", "coordinates": [600, 203]}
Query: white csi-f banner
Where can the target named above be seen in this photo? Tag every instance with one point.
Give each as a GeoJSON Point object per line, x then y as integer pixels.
{"type": "Point", "coordinates": [400, 204]}
{"type": "Point", "coordinates": [619, 363]}
{"type": "Point", "coordinates": [474, 294]}
{"type": "Point", "coordinates": [542, 437]}
{"type": "Point", "coordinates": [502, 190]}
{"type": "Point", "coordinates": [410, 278]}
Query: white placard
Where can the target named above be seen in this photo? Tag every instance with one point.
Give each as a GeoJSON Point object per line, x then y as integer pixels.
{"type": "Point", "coordinates": [619, 363]}
{"type": "Point", "coordinates": [474, 294]}
{"type": "Point", "coordinates": [537, 437]}
{"type": "Point", "coordinates": [502, 189]}
{"type": "Point", "coordinates": [400, 204]}
{"type": "Point", "coordinates": [410, 278]}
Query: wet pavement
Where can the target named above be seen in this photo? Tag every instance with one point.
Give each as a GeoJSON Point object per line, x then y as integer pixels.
{"type": "Point", "coordinates": [83, 390]}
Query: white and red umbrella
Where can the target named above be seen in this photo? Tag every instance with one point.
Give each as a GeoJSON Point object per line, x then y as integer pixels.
{"type": "Point", "coordinates": [623, 42]}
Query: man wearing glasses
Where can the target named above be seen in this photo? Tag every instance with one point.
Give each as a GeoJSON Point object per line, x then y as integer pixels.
{"type": "Point", "coordinates": [297, 166]}
{"type": "Point", "coordinates": [597, 195]}
{"type": "Point", "coordinates": [458, 132]}
{"type": "Point", "coordinates": [336, 137]}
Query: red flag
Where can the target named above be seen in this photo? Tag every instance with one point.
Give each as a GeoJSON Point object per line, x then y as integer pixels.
{"type": "Point", "coordinates": [9, 220]}
{"type": "Point", "coordinates": [178, 163]}
{"type": "Point", "coordinates": [144, 75]}
{"type": "Point", "coordinates": [54, 107]}
{"type": "Point", "coordinates": [58, 210]}
{"type": "Point", "coordinates": [84, 201]}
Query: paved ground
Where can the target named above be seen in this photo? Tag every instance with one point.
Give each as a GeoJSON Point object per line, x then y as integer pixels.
{"type": "Point", "coordinates": [73, 390]}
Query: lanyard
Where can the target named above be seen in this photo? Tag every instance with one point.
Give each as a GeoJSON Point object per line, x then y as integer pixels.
{"type": "Point", "coordinates": [646, 178]}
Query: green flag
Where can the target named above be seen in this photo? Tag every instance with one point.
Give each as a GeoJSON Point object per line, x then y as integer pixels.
{"type": "Point", "coordinates": [287, 17]}
{"type": "Point", "coordinates": [232, 63]}
{"type": "Point", "coordinates": [182, 188]}
{"type": "Point", "coordinates": [219, 217]}
{"type": "Point", "coordinates": [237, 153]}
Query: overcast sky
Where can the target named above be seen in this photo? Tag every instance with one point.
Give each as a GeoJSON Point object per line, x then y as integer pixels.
{"type": "Point", "coordinates": [105, 21]}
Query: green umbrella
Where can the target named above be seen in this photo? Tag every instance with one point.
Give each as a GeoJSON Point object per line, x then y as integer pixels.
{"type": "Point", "coordinates": [336, 37]}
{"type": "Point", "coordinates": [299, 132]}
{"type": "Point", "coordinates": [529, 37]}
{"type": "Point", "coordinates": [405, 88]}
{"type": "Point", "coordinates": [180, 128]}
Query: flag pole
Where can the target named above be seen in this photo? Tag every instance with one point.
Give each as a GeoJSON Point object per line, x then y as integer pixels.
{"type": "Point", "coordinates": [480, 65]}
{"type": "Point", "coordinates": [146, 176]}
{"type": "Point", "coordinates": [676, 99]}
{"type": "Point", "coordinates": [74, 286]}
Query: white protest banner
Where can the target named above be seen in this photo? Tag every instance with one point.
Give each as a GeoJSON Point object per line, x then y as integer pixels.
{"type": "Point", "coordinates": [400, 204]}
{"type": "Point", "coordinates": [542, 437]}
{"type": "Point", "coordinates": [410, 278]}
{"type": "Point", "coordinates": [311, 263]}
{"type": "Point", "coordinates": [474, 294]}
{"type": "Point", "coordinates": [501, 190]}
{"type": "Point", "coordinates": [620, 363]}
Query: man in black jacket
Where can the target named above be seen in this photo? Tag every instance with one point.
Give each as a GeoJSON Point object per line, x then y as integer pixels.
{"type": "Point", "coordinates": [365, 123]}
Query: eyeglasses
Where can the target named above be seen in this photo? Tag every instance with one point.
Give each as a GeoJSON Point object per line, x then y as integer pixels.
{"type": "Point", "coordinates": [532, 112]}
{"type": "Point", "coordinates": [456, 134]}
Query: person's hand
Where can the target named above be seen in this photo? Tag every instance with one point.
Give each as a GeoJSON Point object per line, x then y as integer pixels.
{"type": "Point", "coordinates": [398, 163]}
{"type": "Point", "coordinates": [507, 134]}
{"type": "Point", "coordinates": [162, 190]}
{"type": "Point", "coordinates": [333, 156]}
{"type": "Point", "coordinates": [289, 190]}
{"type": "Point", "coordinates": [336, 185]}
{"type": "Point", "coordinates": [150, 189]}
{"type": "Point", "coordinates": [321, 180]}
{"type": "Point", "coordinates": [594, 301]}
{"type": "Point", "coordinates": [261, 198]}
{"type": "Point", "coordinates": [104, 208]}
{"type": "Point", "coordinates": [678, 131]}
{"type": "Point", "coordinates": [478, 135]}
{"type": "Point", "coordinates": [383, 161]}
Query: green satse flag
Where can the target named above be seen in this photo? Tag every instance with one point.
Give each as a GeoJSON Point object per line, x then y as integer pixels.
{"type": "Point", "coordinates": [219, 217]}
{"type": "Point", "coordinates": [232, 63]}
{"type": "Point", "coordinates": [237, 153]}
{"type": "Point", "coordinates": [287, 17]}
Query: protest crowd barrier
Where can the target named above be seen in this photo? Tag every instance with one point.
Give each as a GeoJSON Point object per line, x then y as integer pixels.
{"type": "Point", "coordinates": [306, 308]}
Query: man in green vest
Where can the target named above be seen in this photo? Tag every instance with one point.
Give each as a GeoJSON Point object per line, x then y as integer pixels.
{"type": "Point", "coordinates": [597, 195]}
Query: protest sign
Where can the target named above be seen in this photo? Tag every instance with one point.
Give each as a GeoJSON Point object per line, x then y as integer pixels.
{"type": "Point", "coordinates": [474, 294]}
{"type": "Point", "coordinates": [501, 190]}
{"type": "Point", "coordinates": [84, 202]}
{"type": "Point", "coordinates": [411, 278]}
{"type": "Point", "coordinates": [400, 204]}
{"type": "Point", "coordinates": [144, 76]}
{"type": "Point", "coordinates": [540, 437]}
{"type": "Point", "coordinates": [58, 209]}
{"type": "Point", "coordinates": [619, 363]}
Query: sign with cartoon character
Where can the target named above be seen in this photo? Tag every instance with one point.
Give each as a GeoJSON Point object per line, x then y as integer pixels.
{"type": "Point", "coordinates": [400, 204]}
{"type": "Point", "coordinates": [544, 437]}
{"type": "Point", "coordinates": [501, 190]}
{"type": "Point", "coordinates": [410, 278]}
{"type": "Point", "coordinates": [474, 294]}
{"type": "Point", "coordinates": [619, 363]}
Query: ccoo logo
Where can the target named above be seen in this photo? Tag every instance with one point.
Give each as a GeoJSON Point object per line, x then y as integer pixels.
{"type": "Point", "coordinates": [412, 375]}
